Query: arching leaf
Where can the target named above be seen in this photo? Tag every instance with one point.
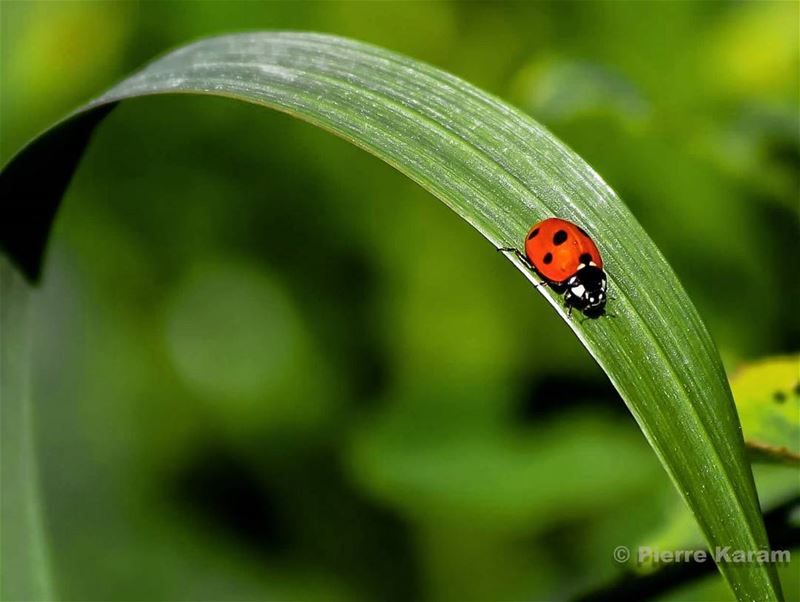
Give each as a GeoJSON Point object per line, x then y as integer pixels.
{"type": "Point", "coordinates": [499, 170]}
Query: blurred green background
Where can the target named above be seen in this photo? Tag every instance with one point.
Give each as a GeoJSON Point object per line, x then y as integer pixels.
{"type": "Point", "coordinates": [267, 366]}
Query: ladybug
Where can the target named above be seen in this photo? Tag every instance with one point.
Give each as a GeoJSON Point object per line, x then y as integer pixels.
{"type": "Point", "coordinates": [567, 259]}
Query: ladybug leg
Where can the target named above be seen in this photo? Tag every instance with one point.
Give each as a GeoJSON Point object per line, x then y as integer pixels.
{"type": "Point", "coordinates": [516, 252]}
{"type": "Point", "coordinates": [569, 312]}
{"type": "Point", "coordinates": [524, 260]}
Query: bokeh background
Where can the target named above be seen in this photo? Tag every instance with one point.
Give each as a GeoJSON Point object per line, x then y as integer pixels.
{"type": "Point", "coordinates": [270, 367]}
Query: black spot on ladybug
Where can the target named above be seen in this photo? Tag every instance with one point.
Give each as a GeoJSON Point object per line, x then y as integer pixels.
{"type": "Point", "coordinates": [582, 231]}
{"type": "Point", "coordinates": [548, 258]}
{"type": "Point", "coordinates": [779, 396]}
{"type": "Point", "coordinates": [533, 234]}
{"type": "Point", "coordinates": [559, 237]}
{"type": "Point", "coordinates": [586, 258]}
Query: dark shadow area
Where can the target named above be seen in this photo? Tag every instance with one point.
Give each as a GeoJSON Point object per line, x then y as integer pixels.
{"type": "Point", "coordinates": [302, 510]}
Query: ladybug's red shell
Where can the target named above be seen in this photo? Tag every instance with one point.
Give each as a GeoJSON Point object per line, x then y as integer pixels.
{"type": "Point", "coordinates": [556, 247]}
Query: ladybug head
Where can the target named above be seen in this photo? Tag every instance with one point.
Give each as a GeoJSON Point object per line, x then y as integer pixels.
{"type": "Point", "coordinates": [586, 290]}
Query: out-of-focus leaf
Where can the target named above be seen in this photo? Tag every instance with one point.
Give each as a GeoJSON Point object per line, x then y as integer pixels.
{"type": "Point", "coordinates": [767, 397]}
{"type": "Point", "coordinates": [562, 90]}
{"type": "Point", "coordinates": [514, 481]}
{"type": "Point", "coordinates": [24, 573]}
{"type": "Point", "coordinates": [500, 171]}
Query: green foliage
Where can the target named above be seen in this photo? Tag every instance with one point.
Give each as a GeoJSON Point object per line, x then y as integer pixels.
{"type": "Point", "coordinates": [767, 397]}
{"type": "Point", "coordinates": [24, 571]}
{"type": "Point", "coordinates": [500, 171]}
{"type": "Point", "coordinates": [159, 485]}
{"type": "Point", "coordinates": [441, 472]}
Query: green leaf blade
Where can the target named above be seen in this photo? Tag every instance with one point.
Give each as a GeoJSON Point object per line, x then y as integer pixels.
{"type": "Point", "coordinates": [500, 171]}
{"type": "Point", "coordinates": [24, 565]}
